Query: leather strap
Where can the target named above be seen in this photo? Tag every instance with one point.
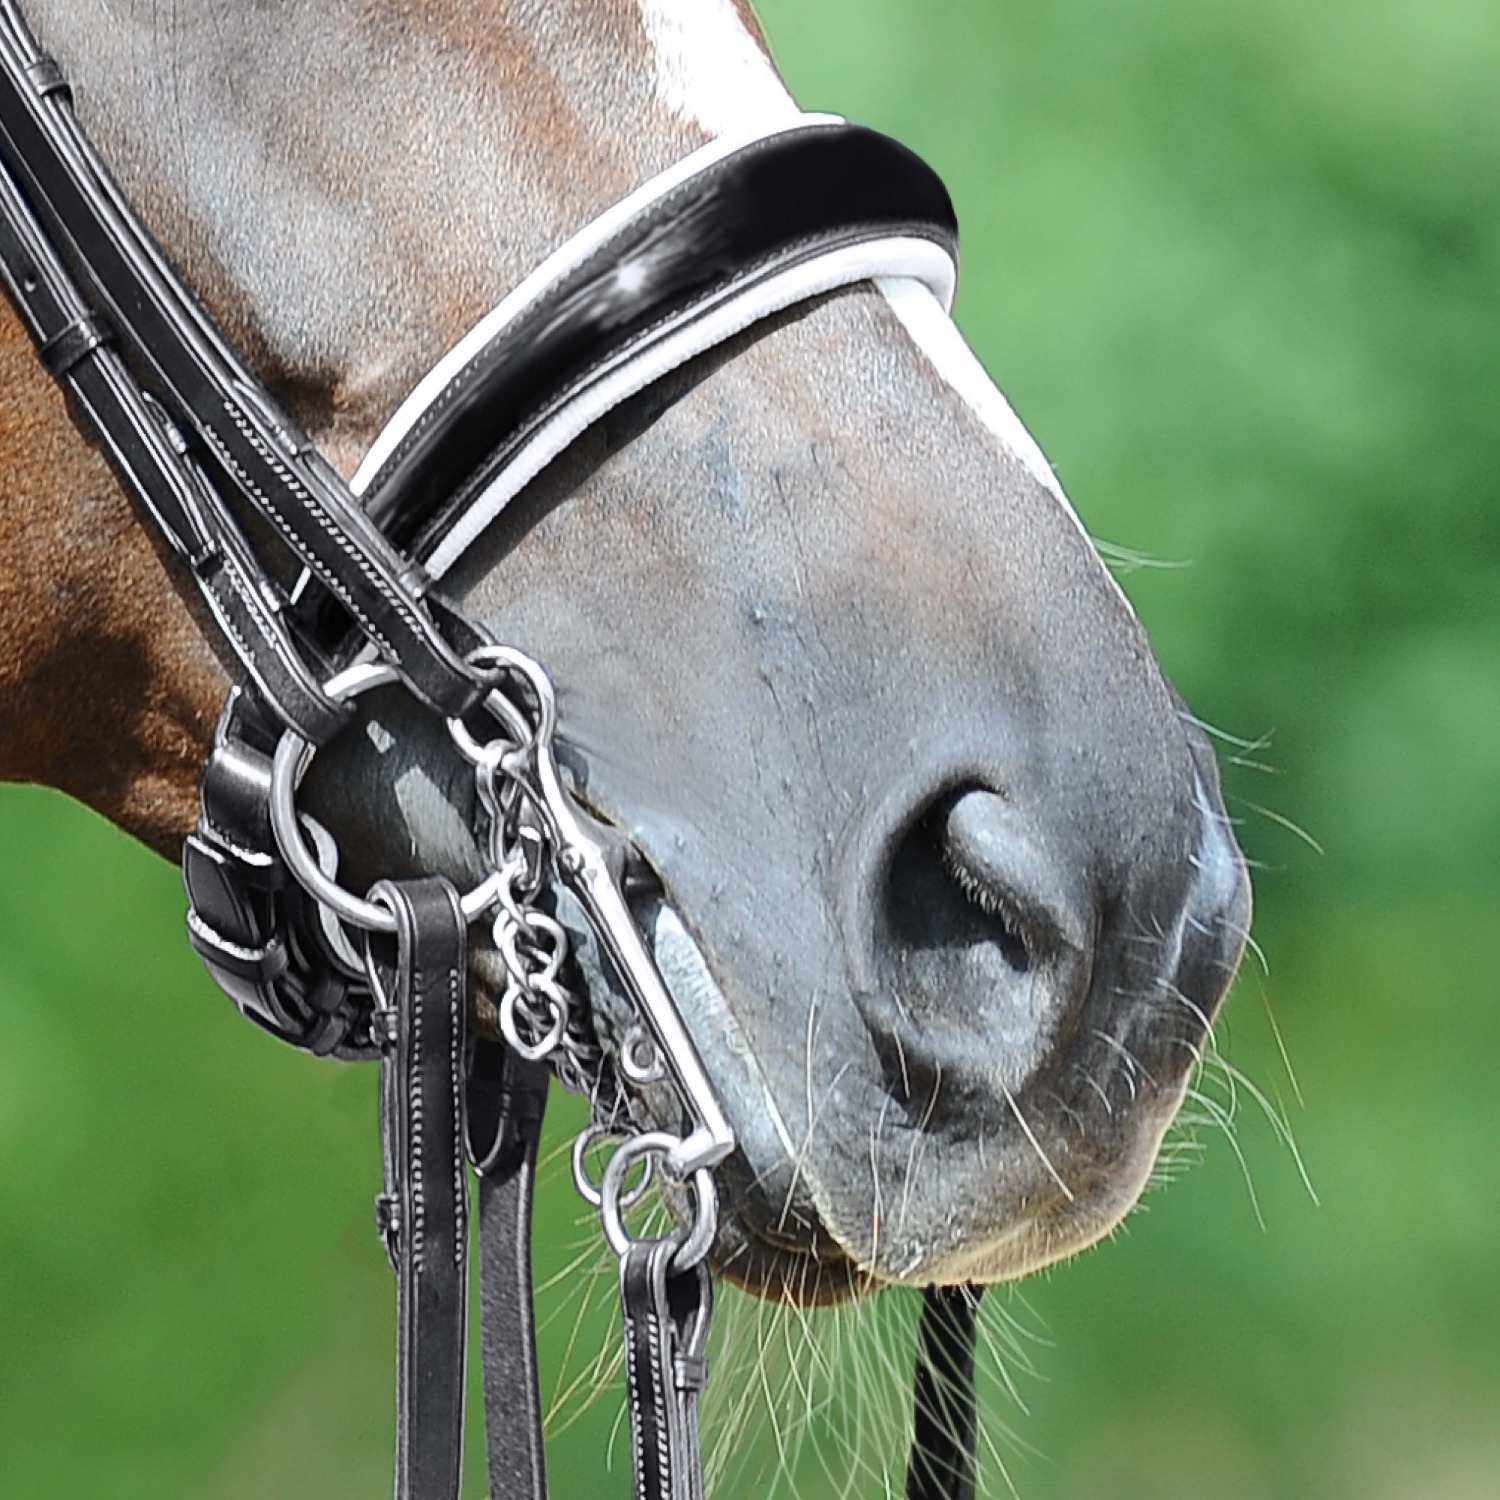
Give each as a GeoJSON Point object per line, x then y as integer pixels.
{"type": "Point", "coordinates": [666, 1326]}
{"type": "Point", "coordinates": [787, 198]}
{"type": "Point", "coordinates": [946, 1424]}
{"type": "Point", "coordinates": [267, 944]}
{"type": "Point", "coordinates": [424, 1210]}
{"type": "Point", "coordinates": [507, 1098]}
{"type": "Point", "coordinates": [238, 437]}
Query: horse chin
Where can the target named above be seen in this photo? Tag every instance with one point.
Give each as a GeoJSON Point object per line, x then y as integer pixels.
{"type": "Point", "coordinates": [783, 1237]}
{"type": "Point", "coordinates": [762, 1258]}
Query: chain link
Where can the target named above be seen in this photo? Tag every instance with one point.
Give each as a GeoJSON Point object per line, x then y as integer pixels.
{"type": "Point", "coordinates": [538, 1014]}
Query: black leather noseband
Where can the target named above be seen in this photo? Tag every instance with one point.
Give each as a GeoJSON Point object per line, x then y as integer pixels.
{"type": "Point", "coordinates": [779, 201]}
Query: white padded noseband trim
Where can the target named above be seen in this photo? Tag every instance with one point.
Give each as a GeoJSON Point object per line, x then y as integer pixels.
{"type": "Point", "coordinates": [572, 252]}
{"type": "Point", "coordinates": [895, 256]}
{"type": "Point", "coordinates": [915, 258]}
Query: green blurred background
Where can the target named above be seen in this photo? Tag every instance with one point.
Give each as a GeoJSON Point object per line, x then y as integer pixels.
{"type": "Point", "coordinates": [1237, 266]}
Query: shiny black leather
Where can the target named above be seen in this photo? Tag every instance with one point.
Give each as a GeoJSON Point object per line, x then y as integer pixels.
{"type": "Point", "coordinates": [259, 935]}
{"type": "Point", "coordinates": [666, 1319]}
{"type": "Point", "coordinates": [761, 210]}
{"type": "Point", "coordinates": [148, 453]}
{"type": "Point", "coordinates": [424, 1210]}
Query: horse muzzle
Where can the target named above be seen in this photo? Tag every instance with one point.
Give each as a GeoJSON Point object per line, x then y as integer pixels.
{"type": "Point", "coordinates": [1013, 1029]}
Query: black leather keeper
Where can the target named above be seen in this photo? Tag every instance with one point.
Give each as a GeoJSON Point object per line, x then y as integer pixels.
{"type": "Point", "coordinates": [47, 78]}
{"type": "Point", "coordinates": [71, 344]}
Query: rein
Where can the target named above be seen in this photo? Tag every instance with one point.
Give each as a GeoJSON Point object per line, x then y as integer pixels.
{"type": "Point", "coordinates": [735, 232]}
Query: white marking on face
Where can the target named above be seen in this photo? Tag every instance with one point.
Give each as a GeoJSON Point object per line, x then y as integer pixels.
{"type": "Point", "coordinates": [934, 333]}
{"type": "Point", "coordinates": [937, 337]}
{"type": "Point", "coordinates": [709, 69]}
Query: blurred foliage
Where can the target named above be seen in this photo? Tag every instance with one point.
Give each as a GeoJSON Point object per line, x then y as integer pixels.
{"type": "Point", "coordinates": [1237, 266]}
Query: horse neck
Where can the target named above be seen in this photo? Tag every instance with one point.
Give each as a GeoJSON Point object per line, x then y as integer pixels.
{"type": "Point", "coordinates": [347, 187]}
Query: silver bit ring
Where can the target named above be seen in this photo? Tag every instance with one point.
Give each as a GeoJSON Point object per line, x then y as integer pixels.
{"type": "Point", "coordinates": [587, 1190]}
{"type": "Point", "coordinates": [693, 1244]}
{"type": "Point", "coordinates": [294, 755]}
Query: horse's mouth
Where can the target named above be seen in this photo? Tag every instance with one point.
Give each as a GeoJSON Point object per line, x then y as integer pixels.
{"type": "Point", "coordinates": [785, 1236]}
{"type": "Point", "coordinates": [1003, 1133]}
{"type": "Point", "coordinates": [775, 1239]}
{"type": "Point", "coordinates": [771, 1259]}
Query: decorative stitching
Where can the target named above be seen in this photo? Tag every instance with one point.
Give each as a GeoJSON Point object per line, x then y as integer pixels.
{"type": "Point", "coordinates": [217, 938]}
{"type": "Point", "coordinates": [248, 596]}
{"type": "Point", "coordinates": [299, 545]}
{"type": "Point", "coordinates": [663, 1429]}
{"type": "Point", "coordinates": [455, 1073]}
{"type": "Point", "coordinates": [414, 1103]}
{"type": "Point", "coordinates": [632, 1377]}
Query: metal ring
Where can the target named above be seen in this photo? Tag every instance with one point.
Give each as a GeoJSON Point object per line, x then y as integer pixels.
{"type": "Point", "coordinates": [551, 1039]}
{"type": "Point", "coordinates": [640, 1058]}
{"type": "Point", "coordinates": [507, 658]}
{"type": "Point", "coordinates": [482, 754]}
{"type": "Point", "coordinates": [547, 947]}
{"type": "Point", "coordinates": [700, 1239]}
{"type": "Point", "coordinates": [692, 1246]}
{"type": "Point", "coordinates": [326, 851]}
{"type": "Point", "coordinates": [585, 1184]}
{"type": "Point", "coordinates": [294, 755]}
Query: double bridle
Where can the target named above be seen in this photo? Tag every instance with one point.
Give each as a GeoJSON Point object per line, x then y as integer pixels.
{"type": "Point", "coordinates": [735, 232]}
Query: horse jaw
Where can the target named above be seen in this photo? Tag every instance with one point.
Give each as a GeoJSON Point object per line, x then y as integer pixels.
{"type": "Point", "coordinates": [108, 687]}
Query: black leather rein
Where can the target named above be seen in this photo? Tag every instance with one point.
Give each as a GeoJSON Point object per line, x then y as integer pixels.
{"type": "Point", "coordinates": [202, 448]}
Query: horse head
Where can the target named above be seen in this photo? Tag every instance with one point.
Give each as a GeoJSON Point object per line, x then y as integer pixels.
{"type": "Point", "coordinates": [939, 871]}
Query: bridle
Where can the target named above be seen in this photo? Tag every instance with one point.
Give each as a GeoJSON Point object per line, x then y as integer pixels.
{"type": "Point", "coordinates": [735, 232]}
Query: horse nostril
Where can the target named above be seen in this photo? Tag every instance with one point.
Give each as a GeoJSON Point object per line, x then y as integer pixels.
{"type": "Point", "coordinates": [981, 956]}
{"type": "Point", "coordinates": [950, 852]}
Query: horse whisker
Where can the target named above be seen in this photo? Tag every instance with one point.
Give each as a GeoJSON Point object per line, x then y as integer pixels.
{"type": "Point", "coordinates": [1036, 1145]}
